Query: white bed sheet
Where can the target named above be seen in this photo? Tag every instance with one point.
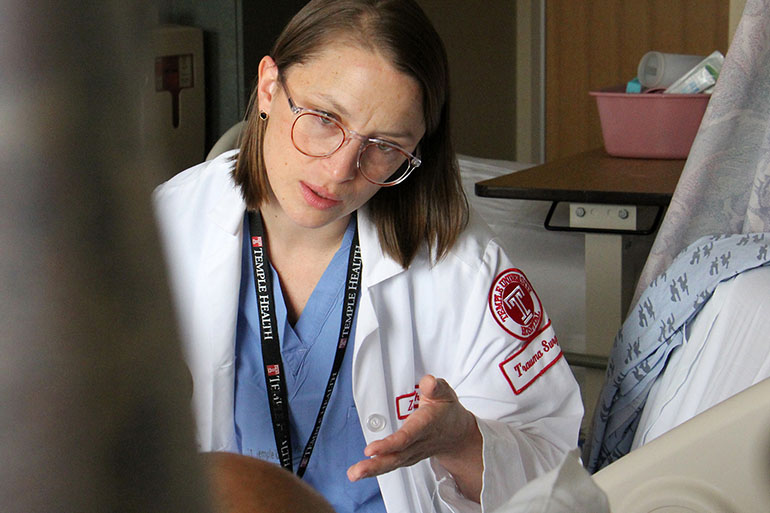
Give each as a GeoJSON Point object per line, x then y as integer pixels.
{"type": "Point", "coordinates": [553, 261]}
{"type": "Point", "coordinates": [726, 350]}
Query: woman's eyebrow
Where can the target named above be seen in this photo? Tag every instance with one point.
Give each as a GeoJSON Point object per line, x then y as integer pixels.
{"type": "Point", "coordinates": [340, 111]}
{"type": "Point", "coordinates": [396, 135]}
{"type": "Point", "coordinates": [336, 107]}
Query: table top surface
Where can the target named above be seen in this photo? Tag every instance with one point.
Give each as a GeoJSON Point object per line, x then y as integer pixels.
{"type": "Point", "coordinates": [590, 177]}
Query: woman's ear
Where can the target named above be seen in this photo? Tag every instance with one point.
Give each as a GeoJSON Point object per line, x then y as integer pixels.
{"type": "Point", "coordinates": [267, 84]}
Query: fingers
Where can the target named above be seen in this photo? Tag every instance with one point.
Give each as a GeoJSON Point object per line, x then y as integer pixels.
{"type": "Point", "coordinates": [398, 441]}
{"type": "Point", "coordinates": [374, 467]}
{"type": "Point", "coordinates": [428, 431]}
{"type": "Point", "coordinates": [417, 429]}
{"type": "Point", "coordinates": [384, 463]}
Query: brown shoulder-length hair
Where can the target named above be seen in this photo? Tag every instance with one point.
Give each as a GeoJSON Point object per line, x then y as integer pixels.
{"type": "Point", "coordinates": [429, 207]}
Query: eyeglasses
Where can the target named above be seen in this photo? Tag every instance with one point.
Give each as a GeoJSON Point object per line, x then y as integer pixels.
{"type": "Point", "coordinates": [317, 134]}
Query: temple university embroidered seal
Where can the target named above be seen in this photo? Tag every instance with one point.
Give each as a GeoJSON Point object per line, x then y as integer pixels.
{"type": "Point", "coordinates": [515, 305]}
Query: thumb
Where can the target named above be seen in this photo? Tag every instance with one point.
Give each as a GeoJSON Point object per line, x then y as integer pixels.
{"type": "Point", "coordinates": [435, 389]}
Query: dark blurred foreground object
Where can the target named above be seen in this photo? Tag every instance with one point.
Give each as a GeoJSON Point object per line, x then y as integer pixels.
{"type": "Point", "coordinates": [94, 408]}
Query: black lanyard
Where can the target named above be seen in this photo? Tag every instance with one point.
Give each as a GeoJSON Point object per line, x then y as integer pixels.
{"type": "Point", "coordinates": [271, 349]}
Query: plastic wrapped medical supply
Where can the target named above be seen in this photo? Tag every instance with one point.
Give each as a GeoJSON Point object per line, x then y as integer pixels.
{"type": "Point", "coordinates": [700, 78]}
{"type": "Point", "coordinates": [660, 70]}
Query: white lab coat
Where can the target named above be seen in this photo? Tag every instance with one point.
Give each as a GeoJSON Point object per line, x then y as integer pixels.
{"type": "Point", "coordinates": [427, 319]}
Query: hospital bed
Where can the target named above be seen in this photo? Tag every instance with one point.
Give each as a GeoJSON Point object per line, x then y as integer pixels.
{"type": "Point", "coordinates": [727, 350]}
{"type": "Point", "coordinates": [716, 462]}
{"type": "Point", "coordinates": [702, 442]}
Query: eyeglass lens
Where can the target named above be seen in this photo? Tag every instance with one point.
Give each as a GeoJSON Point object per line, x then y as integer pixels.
{"type": "Point", "coordinates": [320, 136]}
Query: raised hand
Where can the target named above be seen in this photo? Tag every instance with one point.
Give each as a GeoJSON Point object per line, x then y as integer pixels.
{"type": "Point", "coordinates": [440, 428]}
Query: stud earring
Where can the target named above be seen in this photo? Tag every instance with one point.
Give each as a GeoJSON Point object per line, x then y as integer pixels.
{"type": "Point", "coordinates": [263, 115]}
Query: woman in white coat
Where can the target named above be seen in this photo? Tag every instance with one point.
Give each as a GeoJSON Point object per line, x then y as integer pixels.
{"type": "Point", "coordinates": [342, 312]}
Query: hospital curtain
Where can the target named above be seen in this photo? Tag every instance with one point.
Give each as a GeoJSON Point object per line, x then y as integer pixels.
{"type": "Point", "coordinates": [725, 184]}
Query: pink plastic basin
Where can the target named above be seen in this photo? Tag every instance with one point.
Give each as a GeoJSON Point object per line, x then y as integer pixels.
{"type": "Point", "coordinates": [651, 125]}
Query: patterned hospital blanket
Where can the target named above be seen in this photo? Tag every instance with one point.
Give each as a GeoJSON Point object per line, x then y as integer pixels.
{"type": "Point", "coordinates": [655, 327]}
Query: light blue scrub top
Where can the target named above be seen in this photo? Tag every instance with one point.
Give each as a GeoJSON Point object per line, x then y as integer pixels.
{"type": "Point", "coordinates": [307, 350]}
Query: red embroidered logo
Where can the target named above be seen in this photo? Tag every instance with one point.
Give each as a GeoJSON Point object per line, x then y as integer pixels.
{"type": "Point", "coordinates": [256, 242]}
{"type": "Point", "coordinates": [515, 305]}
{"type": "Point", "coordinates": [407, 403]}
{"type": "Point", "coordinates": [273, 370]}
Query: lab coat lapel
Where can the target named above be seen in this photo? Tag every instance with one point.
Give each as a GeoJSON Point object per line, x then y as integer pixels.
{"type": "Point", "coordinates": [371, 387]}
{"type": "Point", "coordinates": [377, 267]}
{"type": "Point", "coordinates": [369, 382]}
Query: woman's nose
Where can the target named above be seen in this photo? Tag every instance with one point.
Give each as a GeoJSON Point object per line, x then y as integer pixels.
{"type": "Point", "coordinates": [342, 165]}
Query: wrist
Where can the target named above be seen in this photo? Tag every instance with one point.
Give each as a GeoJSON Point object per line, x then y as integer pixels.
{"type": "Point", "coordinates": [466, 447]}
{"type": "Point", "coordinates": [465, 461]}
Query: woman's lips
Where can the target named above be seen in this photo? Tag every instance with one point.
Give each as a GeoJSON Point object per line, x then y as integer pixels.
{"type": "Point", "coordinates": [317, 197]}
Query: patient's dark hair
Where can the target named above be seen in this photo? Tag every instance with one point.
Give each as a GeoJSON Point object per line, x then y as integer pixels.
{"type": "Point", "coordinates": [430, 206]}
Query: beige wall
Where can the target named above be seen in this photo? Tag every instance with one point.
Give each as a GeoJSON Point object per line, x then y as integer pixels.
{"type": "Point", "coordinates": [480, 38]}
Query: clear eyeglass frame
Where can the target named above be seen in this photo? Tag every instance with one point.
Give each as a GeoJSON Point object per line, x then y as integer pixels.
{"type": "Point", "coordinates": [411, 161]}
